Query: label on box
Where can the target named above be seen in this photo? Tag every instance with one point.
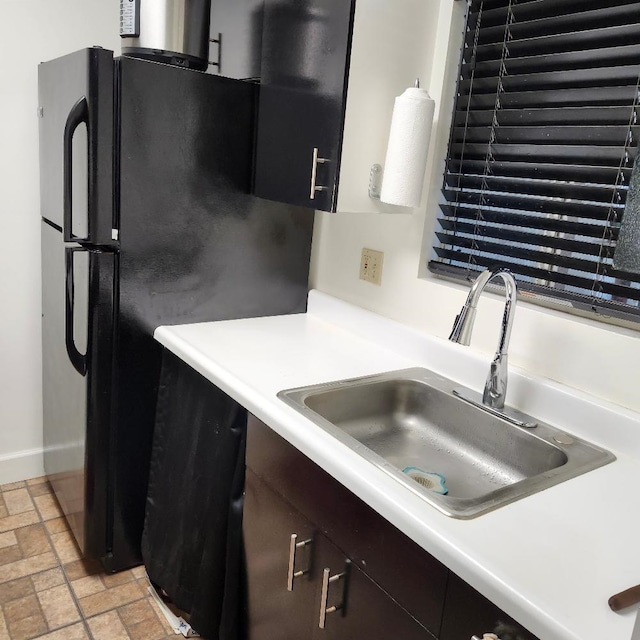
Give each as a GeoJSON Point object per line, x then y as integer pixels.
{"type": "Point", "coordinates": [129, 18]}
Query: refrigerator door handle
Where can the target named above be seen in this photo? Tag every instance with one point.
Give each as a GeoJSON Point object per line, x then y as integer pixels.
{"type": "Point", "coordinates": [78, 360]}
{"type": "Point", "coordinates": [78, 114]}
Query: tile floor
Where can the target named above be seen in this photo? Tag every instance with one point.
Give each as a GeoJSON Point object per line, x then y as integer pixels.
{"type": "Point", "coordinates": [47, 591]}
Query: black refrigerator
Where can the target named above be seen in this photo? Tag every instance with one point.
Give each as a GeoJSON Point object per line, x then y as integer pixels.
{"type": "Point", "coordinates": [147, 219]}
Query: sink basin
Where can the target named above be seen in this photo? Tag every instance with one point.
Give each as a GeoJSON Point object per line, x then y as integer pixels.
{"type": "Point", "coordinates": [415, 419]}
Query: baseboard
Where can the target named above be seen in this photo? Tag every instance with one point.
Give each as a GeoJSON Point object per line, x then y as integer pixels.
{"type": "Point", "coordinates": [21, 465]}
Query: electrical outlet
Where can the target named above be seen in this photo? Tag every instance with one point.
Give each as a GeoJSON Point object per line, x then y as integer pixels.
{"type": "Point", "coordinates": [371, 266]}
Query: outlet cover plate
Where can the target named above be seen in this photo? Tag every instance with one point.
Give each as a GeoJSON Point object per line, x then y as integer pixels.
{"type": "Point", "coordinates": [371, 266]}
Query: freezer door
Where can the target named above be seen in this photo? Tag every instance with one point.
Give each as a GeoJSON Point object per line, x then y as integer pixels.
{"type": "Point", "coordinates": [77, 336]}
{"type": "Point", "coordinates": [75, 98]}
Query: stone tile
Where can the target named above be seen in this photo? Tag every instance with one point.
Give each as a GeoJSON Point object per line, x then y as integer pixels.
{"type": "Point", "coordinates": [57, 525]}
{"type": "Point", "coordinates": [8, 539]}
{"type": "Point", "coordinates": [15, 589]}
{"type": "Point", "coordinates": [65, 546]}
{"type": "Point", "coordinates": [18, 501]}
{"type": "Point", "coordinates": [111, 599]}
{"type": "Point", "coordinates": [58, 607]}
{"type": "Point", "coordinates": [108, 626]}
{"type": "Point", "coordinates": [47, 579]}
{"type": "Point", "coordinates": [144, 585]}
{"type": "Point", "coordinates": [27, 628]}
{"type": "Point", "coordinates": [139, 572]}
{"type": "Point", "coordinates": [34, 481]}
{"type": "Point", "coordinates": [27, 567]}
{"type": "Point", "coordinates": [10, 554]}
{"type": "Point", "coordinates": [82, 568]}
{"type": "Point", "coordinates": [10, 486]}
{"type": "Point", "coordinates": [48, 507]}
{"type": "Point", "coordinates": [115, 579]}
{"type": "Point", "coordinates": [3, 510]}
{"type": "Point", "coordinates": [87, 586]}
{"type": "Point", "coordinates": [43, 489]}
{"type": "Point", "coordinates": [74, 632]}
{"type": "Point", "coordinates": [142, 622]}
{"type": "Point", "coordinates": [33, 540]}
{"type": "Point", "coordinates": [136, 612]}
{"type": "Point", "coordinates": [26, 607]}
{"type": "Point", "coordinates": [147, 630]}
{"type": "Point", "coordinates": [9, 523]}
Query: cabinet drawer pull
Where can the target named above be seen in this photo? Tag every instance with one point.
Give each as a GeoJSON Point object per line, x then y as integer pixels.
{"type": "Point", "coordinates": [314, 172]}
{"type": "Point", "coordinates": [294, 545]}
{"type": "Point", "coordinates": [327, 579]}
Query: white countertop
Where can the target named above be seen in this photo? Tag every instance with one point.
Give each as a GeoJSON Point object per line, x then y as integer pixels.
{"type": "Point", "coordinates": [550, 560]}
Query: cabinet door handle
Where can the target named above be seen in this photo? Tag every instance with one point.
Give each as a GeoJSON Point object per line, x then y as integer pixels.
{"type": "Point", "coordinates": [218, 64]}
{"type": "Point", "coordinates": [327, 579]}
{"type": "Point", "coordinates": [314, 172]}
{"type": "Point", "coordinates": [294, 545]}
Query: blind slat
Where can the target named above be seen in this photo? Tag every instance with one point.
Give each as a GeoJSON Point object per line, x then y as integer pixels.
{"type": "Point", "coordinates": [576, 116]}
{"type": "Point", "coordinates": [624, 75]}
{"type": "Point", "coordinates": [567, 135]}
{"type": "Point", "coordinates": [581, 173]}
{"type": "Point", "coordinates": [539, 204]}
{"type": "Point", "coordinates": [558, 97]}
{"type": "Point", "coordinates": [577, 226]}
{"type": "Point", "coordinates": [533, 186]}
{"type": "Point", "coordinates": [613, 55]}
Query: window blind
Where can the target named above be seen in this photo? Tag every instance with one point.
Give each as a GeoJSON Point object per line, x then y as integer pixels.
{"type": "Point", "coordinates": [543, 140]}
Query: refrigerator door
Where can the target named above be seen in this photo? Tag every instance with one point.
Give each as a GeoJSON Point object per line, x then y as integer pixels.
{"type": "Point", "coordinates": [77, 337]}
{"type": "Point", "coordinates": [75, 97]}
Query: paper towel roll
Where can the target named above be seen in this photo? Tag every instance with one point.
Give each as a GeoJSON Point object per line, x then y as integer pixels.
{"type": "Point", "coordinates": [408, 147]}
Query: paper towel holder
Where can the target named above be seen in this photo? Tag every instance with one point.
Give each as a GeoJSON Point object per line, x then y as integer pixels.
{"type": "Point", "coordinates": [375, 181]}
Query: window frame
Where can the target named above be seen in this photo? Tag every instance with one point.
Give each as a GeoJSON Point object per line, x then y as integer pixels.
{"type": "Point", "coordinates": [577, 304]}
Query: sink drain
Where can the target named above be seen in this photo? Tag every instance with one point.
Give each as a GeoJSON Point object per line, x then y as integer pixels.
{"type": "Point", "coordinates": [429, 480]}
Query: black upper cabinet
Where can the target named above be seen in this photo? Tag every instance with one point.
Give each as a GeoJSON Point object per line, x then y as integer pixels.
{"type": "Point", "coordinates": [305, 54]}
{"type": "Point", "coordinates": [237, 25]}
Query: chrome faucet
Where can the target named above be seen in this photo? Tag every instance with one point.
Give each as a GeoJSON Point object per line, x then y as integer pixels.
{"type": "Point", "coordinates": [495, 389]}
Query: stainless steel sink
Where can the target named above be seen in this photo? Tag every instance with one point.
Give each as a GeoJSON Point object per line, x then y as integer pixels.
{"type": "Point", "coordinates": [415, 418]}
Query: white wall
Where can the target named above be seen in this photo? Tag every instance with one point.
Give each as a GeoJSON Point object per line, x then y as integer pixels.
{"type": "Point", "coordinates": [30, 31]}
{"type": "Point", "coordinates": [587, 355]}
{"type": "Point", "coordinates": [597, 358]}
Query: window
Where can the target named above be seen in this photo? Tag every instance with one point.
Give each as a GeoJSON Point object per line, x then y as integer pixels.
{"type": "Point", "coordinates": [543, 141]}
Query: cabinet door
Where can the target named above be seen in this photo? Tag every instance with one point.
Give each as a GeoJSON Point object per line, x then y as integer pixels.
{"type": "Point", "coordinates": [363, 610]}
{"type": "Point", "coordinates": [305, 51]}
{"type": "Point", "coordinates": [279, 608]}
{"type": "Point", "coordinates": [237, 25]}
{"type": "Point", "coordinates": [468, 613]}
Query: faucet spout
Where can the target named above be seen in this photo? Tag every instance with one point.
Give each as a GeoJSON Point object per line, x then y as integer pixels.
{"type": "Point", "coordinates": [495, 389]}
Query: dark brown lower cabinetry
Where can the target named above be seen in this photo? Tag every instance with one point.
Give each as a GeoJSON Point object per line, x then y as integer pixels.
{"type": "Point", "coordinates": [304, 587]}
{"type": "Point", "coordinates": [312, 546]}
{"type": "Point", "coordinates": [469, 613]}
